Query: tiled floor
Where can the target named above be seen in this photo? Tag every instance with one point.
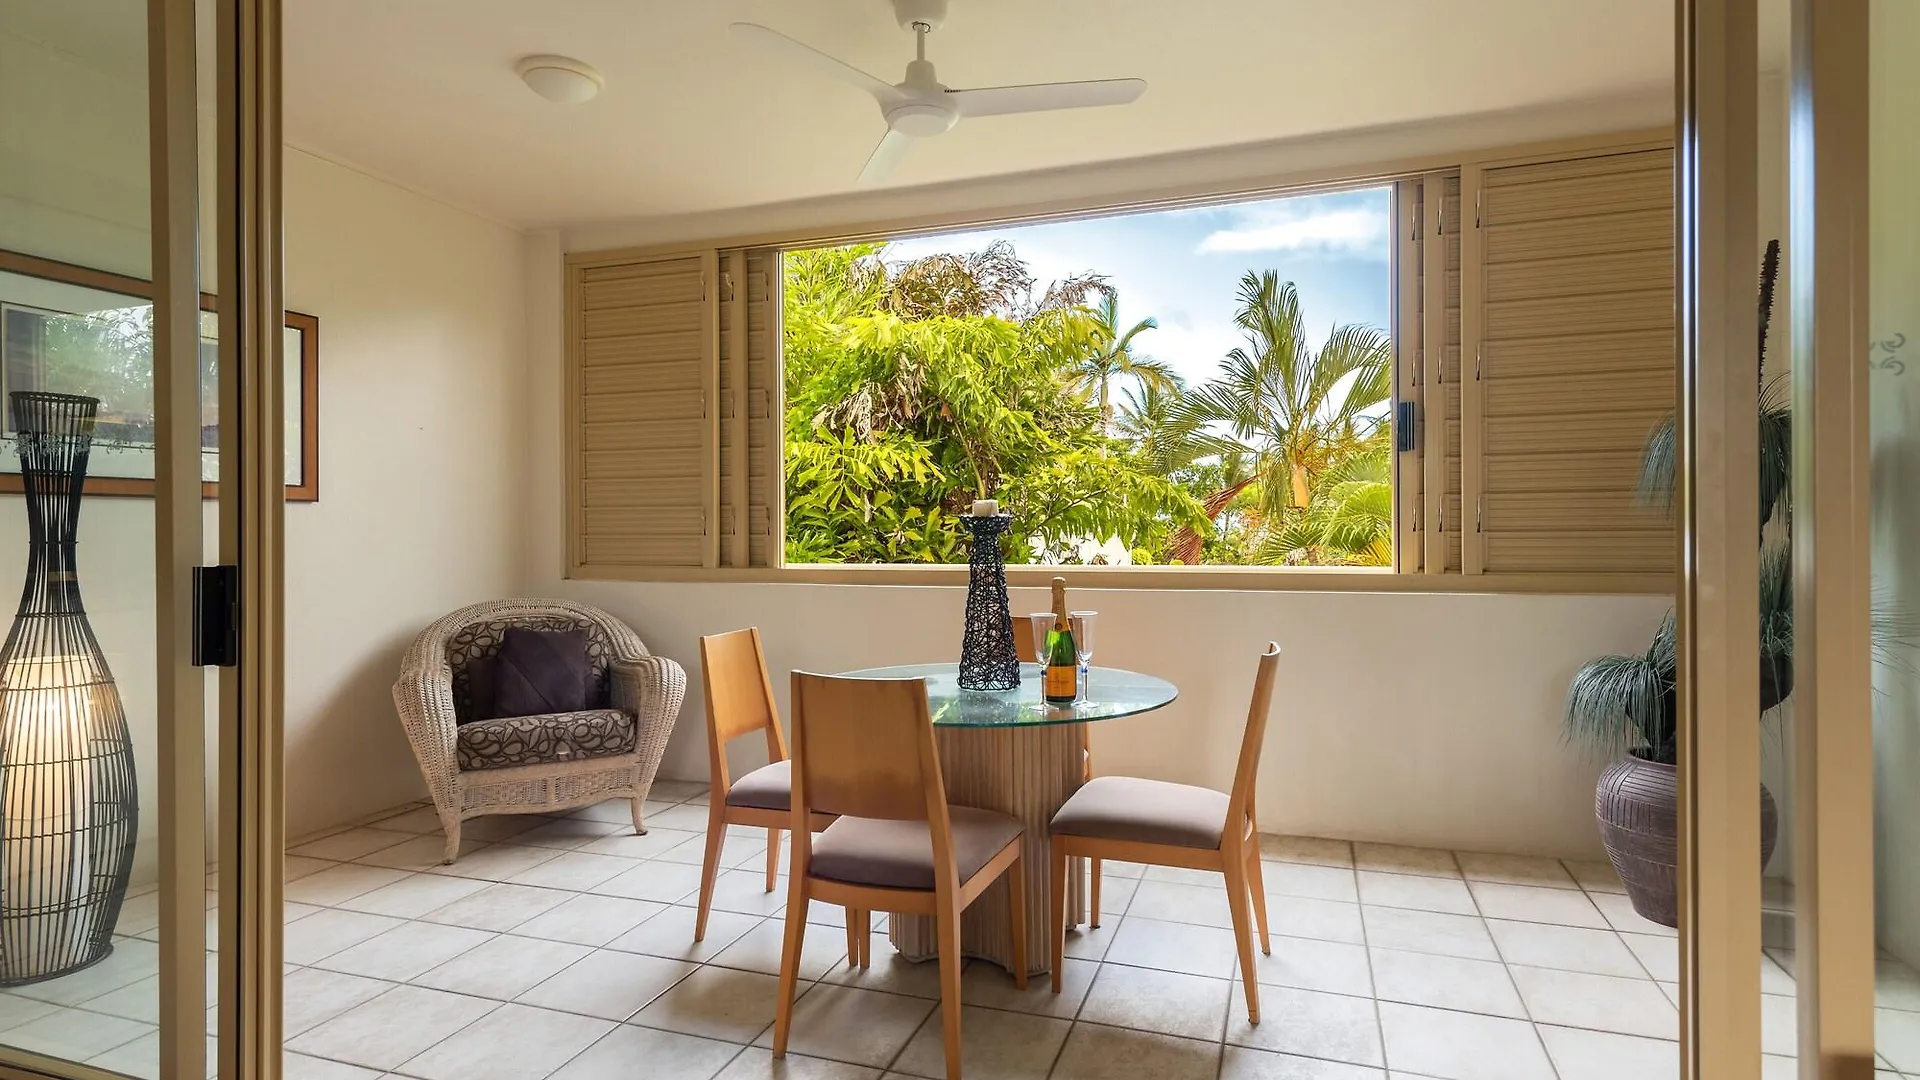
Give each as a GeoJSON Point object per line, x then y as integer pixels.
{"type": "Point", "coordinates": [563, 947]}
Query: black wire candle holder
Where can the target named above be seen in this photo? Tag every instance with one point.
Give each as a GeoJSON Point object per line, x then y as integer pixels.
{"type": "Point", "coordinates": [69, 807]}
{"type": "Point", "coordinates": [987, 657]}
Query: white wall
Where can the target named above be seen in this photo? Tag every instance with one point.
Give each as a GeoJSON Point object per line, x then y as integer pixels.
{"type": "Point", "coordinates": [1407, 718]}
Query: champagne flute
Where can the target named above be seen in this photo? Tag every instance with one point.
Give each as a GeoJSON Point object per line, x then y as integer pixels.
{"type": "Point", "coordinates": [1042, 622]}
{"type": "Point", "coordinates": [1082, 622]}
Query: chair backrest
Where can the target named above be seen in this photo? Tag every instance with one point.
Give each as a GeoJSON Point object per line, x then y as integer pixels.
{"type": "Point", "coordinates": [477, 631]}
{"type": "Point", "coordinates": [864, 748]}
{"type": "Point", "coordinates": [733, 667]}
{"type": "Point", "coordinates": [1247, 772]}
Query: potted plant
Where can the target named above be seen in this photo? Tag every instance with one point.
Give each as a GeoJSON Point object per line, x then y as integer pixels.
{"type": "Point", "coordinates": [1626, 704]}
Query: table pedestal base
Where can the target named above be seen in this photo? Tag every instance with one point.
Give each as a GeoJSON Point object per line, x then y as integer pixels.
{"type": "Point", "coordinates": [1025, 773]}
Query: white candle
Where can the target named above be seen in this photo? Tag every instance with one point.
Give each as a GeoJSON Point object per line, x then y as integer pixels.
{"type": "Point", "coordinates": [985, 508]}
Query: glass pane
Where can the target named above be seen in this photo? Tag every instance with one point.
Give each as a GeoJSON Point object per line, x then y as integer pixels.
{"type": "Point", "coordinates": [1894, 386]}
{"type": "Point", "coordinates": [79, 783]}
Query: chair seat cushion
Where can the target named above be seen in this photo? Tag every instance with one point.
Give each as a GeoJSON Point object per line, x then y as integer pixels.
{"type": "Point", "coordinates": [1146, 811]}
{"type": "Point", "coordinates": [899, 854]}
{"type": "Point", "coordinates": [769, 787]}
{"type": "Point", "coordinates": [507, 741]}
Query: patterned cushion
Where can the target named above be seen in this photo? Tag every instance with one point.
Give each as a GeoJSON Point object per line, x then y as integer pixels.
{"type": "Point", "coordinates": [539, 740]}
{"type": "Point", "coordinates": [483, 639]}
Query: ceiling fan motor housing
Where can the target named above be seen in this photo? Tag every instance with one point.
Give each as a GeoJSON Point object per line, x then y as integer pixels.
{"type": "Point", "coordinates": [921, 118]}
{"type": "Point", "coordinates": [930, 13]}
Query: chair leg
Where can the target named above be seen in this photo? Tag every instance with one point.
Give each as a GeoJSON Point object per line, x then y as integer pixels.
{"type": "Point", "coordinates": [856, 925]}
{"type": "Point", "coordinates": [1057, 925]}
{"type": "Point", "coordinates": [1236, 871]}
{"type": "Point", "coordinates": [773, 857]}
{"type": "Point", "coordinates": [1257, 885]}
{"type": "Point", "coordinates": [710, 865]}
{"type": "Point", "coordinates": [866, 939]}
{"type": "Point", "coordinates": [1093, 867]}
{"type": "Point", "coordinates": [451, 825]}
{"type": "Point", "coordinates": [1017, 912]}
{"type": "Point", "coordinates": [789, 965]}
{"type": "Point", "coordinates": [639, 816]}
{"type": "Point", "coordinates": [947, 921]}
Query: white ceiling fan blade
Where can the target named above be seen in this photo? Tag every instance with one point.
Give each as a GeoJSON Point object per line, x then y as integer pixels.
{"type": "Point", "coordinates": [1045, 97]}
{"type": "Point", "coordinates": [881, 162]}
{"type": "Point", "coordinates": [776, 41]}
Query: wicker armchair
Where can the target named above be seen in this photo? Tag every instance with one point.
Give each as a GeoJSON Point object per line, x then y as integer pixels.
{"type": "Point", "coordinates": [545, 763]}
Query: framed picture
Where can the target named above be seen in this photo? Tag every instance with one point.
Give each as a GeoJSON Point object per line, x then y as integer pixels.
{"type": "Point", "coordinates": [74, 330]}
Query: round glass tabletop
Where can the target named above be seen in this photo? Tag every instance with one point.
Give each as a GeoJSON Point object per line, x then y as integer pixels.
{"type": "Point", "coordinates": [1108, 693]}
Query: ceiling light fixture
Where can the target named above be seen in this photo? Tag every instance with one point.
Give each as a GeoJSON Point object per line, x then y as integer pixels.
{"type": "Point", "coordinates": [560, 79]}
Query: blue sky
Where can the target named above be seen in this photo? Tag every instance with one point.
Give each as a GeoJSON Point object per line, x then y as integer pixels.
{"type": "Point", "coordinates": [1182, 267]}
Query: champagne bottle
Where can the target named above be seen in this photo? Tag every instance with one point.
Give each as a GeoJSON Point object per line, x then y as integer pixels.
{"type": "Point", "coordinates": [1062, 683]}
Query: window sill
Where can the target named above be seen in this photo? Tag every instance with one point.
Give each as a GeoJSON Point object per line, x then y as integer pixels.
{"type": "Point", "coordinates": [1217, 578]}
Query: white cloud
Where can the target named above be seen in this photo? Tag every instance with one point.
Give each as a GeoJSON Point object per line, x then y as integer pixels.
{"type": "Point", "coordinates": [1358, 231]}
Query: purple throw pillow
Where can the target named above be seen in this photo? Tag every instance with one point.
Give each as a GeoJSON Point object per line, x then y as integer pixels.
{"type": "Point", "coordinates": [541, 671]}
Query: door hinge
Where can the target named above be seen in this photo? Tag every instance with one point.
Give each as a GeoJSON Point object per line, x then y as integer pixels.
{"type": "Point", "coordinates": [1478, 194]}
{"type": "Point", "coordinates": [1479, 356]}
{"type": "Point", "coordinates": [216, 616]}
{"type": "Point", "coordinates": [1479, 511]}
{"type": "Point", "coordinates": [726, 287]}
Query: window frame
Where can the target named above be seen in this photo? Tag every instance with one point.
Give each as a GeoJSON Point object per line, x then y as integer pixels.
{"type": "Point", "coordinates": [1397, 578]}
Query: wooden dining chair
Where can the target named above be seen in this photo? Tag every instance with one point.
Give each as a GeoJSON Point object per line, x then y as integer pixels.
{"type": "Point", "coordinates": [1028, 652]}
{"type": "Point", "coordinates": [740, 702]}
{"type": "Point", "coordinates": [1166, 824]}
{"type": "Point", "coordinates": [864, 753]}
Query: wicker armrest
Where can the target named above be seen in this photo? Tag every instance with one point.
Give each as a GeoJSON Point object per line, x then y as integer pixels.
{"type": "Point", "coordinates": [424, 700]}
{"type": "Point", "coordinates": [652, 689]}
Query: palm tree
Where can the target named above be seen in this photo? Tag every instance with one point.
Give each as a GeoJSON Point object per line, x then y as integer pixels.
{"type": "Point", "coordinates": [1298, 410]}
{"type": "Point", "coordinates": [1350, 520]}
{"type": "Point", "coordinates": [1111, 357]}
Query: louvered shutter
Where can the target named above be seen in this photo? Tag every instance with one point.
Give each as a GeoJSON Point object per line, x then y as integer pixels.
{"type": "Point", "coordinates": [1408, 479]}
{"type": "Point", "coordinates": [749, 297]}
{"type": "Point", "coordinates": [1572, 330]}
{"type": "Point", "coordinates": [1436, 326]}
{"type": "Point", "coordinates": [645, 445]}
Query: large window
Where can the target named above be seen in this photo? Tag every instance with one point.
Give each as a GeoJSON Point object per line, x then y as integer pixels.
{"type": "Point", "coordinates": [1452, 377]}
{"type": "Point", "coordinates": [1201, 385]}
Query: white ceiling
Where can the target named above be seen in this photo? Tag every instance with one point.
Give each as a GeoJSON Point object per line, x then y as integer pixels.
{"type": "Point", "coordinates": [422, 92]}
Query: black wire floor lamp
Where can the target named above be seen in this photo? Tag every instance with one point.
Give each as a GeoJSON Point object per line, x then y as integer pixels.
{"type": "Point", "coordinates": [69, 807]}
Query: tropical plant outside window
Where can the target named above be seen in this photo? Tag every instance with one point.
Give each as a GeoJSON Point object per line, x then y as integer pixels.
{"type": "Point", "coordinates": [1206, 385]}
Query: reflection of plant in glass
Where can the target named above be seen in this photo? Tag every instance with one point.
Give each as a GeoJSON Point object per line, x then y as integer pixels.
{"type": "Point", "coordinates": [106, 354]}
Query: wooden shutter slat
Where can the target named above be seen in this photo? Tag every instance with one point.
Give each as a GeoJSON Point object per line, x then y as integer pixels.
{"type": "Point", "coordinates": [747, 427]}
{"type": "Point", "coordinates": [643, 337]}
{"type": "Point", "coordinates": [1576, 354]}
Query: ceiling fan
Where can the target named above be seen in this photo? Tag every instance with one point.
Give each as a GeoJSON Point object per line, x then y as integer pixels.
{"type": "Point", "coordinates": [919, 105]}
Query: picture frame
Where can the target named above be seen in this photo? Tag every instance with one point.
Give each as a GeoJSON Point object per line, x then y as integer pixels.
{"type": "Point", "coordinates": [75, 329]}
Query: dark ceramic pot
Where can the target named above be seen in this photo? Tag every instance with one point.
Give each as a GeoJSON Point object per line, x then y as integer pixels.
{"type": "Point", "coordinates": [1637, 803]}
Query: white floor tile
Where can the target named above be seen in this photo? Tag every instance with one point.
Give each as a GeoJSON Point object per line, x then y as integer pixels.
{"type": "Point", "coordinates": [497, 862]}
{"type": "Point", "coordinates": [1310, 964]}
{"type": "Point", "coordinates": [1306, 1023]}
{"type": "Point", "coordinates": [745, 891]}
{"type": "Point", "coordinates": [1603, 1055]}
{"type": "Point", "coordinates": [994, 1045]}
{"type": "Point", "coordinates": [1314, 882]}
{"type": "Point", "coordinates": [823, 949]}
{"type": "Point", "coordinates": [888, 971]}
{"type": "Point", "coordinates": [569, 833]}
{"type": "Point", "coordinates": [498, 907]}
{"type": "Point", "coordinates": [393, 1028]}
{"type": "Point", "coordinates": [656, 841]}
{"type": "Point", "coordinates": [319, 936]}
{"type": "Point", "coordinates": [1414, 891]}
{"type": "Point", "coordinates": [574, 870]}
{"type": "Point", "coordinates": [16, 1010]}
{"type": "Point", "coordinates": [304, 1067]}
{"type": "Point", "coordinates": [1165, 1002]}
{"type": "Point", "coordinates": [1448, 982]}
{"type": "Point", "coordinates": [1165, 900]}
{"type": "Point", "coordinates": [1514, 870]}
{"type": "Point", "coordinates": [1534, 903]}
{"type": "Point", "coordinates": [345, 881]}
{"type": "Point", "coordinates": [527, 1044]}
{"type": "Point", "coordinates": [755, 1063]}
{"type": "Point", "coordinates": [1326, 920]}
{"type": "Point", "coordinates": [842, 1023]}
{"type": "Point", "coordinates": [350, 844]}
{"type": "Point", "coordinates": [412, 897]}
{"type": "Point", "coordinates": [1430, 932]}
{"type": "Point", "coordinates": [1171, 946]}
{"type": "Point", "coordinates": [1621, 916]}
{"type": "Point", "coordinates": [407, 951]}
{"type": "Point", "coordinates": [1568, 947]}
{"type": "Point", "coordinates": [75, 1035]}
{"type": "Point", "coordinates": [504, 968]}
{"type": "Point", "coordinates": [1896, 1034]}
{"type": "Point", "coordinates": [1660, 956]}
{"type": "Point", "coordinates": [1245, 1063]}
{"type": "Point", "coordinates": [988, 985]}
{"type": "Point", "coordinates": [1597, 1002]}
{"type": "Point", "coordinates": [1451, 1045]}
{"type": "Point", "coordinates": [620, 1053]}
{"type": "Point", "coordinates": [130, 961]}
{"type": "Point", "coordinates": [663, 882]}
{"type": "Point", "coordinates": [715, 1003]}
{"type": "Point", "coordinates": [1094, 1052]}
{"type": "Point", "coordinates": [610, 985]}
{"type": "Point", "coordinates": [591, 920]}
{"type": "Point", "coordinates": [676, 791]}
{"type": "Point", "coordinates": [1595, 875]}
{"type": "Point", "coordinates": [670, 934]}
{"type": "Point", "coordinates": [312, 996]}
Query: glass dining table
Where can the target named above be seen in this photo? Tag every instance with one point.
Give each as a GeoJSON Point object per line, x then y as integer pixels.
{"type": "Point", "coordinates": [1010, 751]}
